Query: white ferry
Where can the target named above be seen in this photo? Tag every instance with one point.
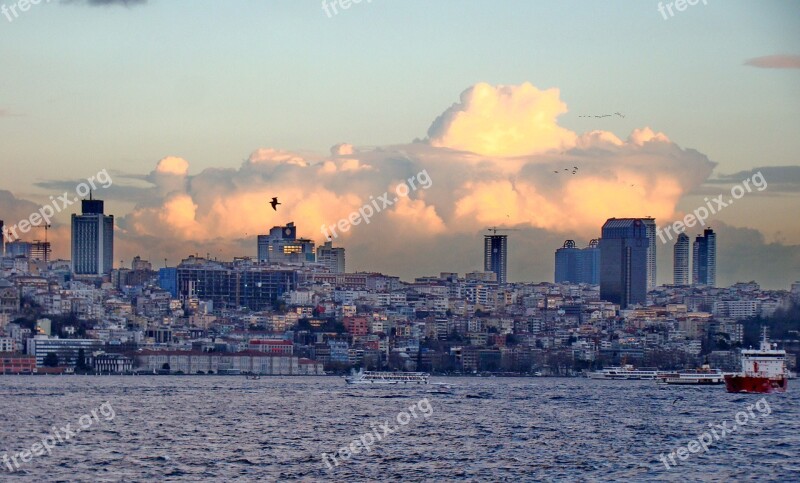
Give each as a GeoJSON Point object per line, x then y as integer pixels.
{"type": "Point", "coordinates": [372, 377]}
{"type": "Point", "coordinates": [703, 376]}
{"type": "Point", "coordinates": [626, 372]}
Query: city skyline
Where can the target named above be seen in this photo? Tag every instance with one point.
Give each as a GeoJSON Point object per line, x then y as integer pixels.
{"type": "Point", "coordinates": [492, 133]}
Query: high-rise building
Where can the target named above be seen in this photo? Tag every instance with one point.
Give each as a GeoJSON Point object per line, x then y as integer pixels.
{"type": "Point", "coordinates": [331, 257]}
{"type": "Point", "coordinates": [283, 246]}
{"type": "Point", "coordinates": [92, 239]}
{"type": "Point", "coordinates": [704, 259]}
{"type": "Point", "coordinates": [624, 248]}
{"type": "Point", "coordinates": [495, 255]}
{"type": "Point", "coordinates": [680, 260]}
{"type": "Point", "coordinates": [652, 280]}
{"type": "Point", "coordinates": [567, 263]}
{"type": "Point", "coordinates": [576, 265]}
{"type": "Point", "coordinates": [2, 239]}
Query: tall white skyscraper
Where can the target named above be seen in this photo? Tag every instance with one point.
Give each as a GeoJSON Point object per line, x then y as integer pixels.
{"type": "Point", "coordinates": [680, 260]}
{"type": "Point", "coordinates": [652, 280]}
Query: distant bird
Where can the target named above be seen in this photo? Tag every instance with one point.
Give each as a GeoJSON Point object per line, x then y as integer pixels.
{"type": "Point", "coordinates": [274, 204]}
{"type": "Point", "coordinates": [679, 398]}
{"type": "Point", "coordinates": [556, 172]}
{"type": "Point", "coordinates": [619, 114]}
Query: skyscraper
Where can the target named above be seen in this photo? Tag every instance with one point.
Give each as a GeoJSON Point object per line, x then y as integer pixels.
{"type": "Point", "coordinates": [92, 239]}
{"type": "Point", "coordinates": [652, 281]}
{"type": "Point", "coordinates": [331, 257]}
{"type": "Point", "coordinates": [624, 249]}
{"type": "Point", "coordinates": [2, 239]}
{"type": "Point", "coordinates": [704, 259]}
{"type": "Point", "coordinates": [567, 263]}
{"type": "Point", "coordinates": [495, 255]}
{"type": "Point", "coordinates": [680, 260]}
{"type": "Point", "coordinates": [578, 265]}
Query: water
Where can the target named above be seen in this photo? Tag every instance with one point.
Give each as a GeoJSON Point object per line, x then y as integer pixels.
{"type": "Point", "coordinates": [488, 429]}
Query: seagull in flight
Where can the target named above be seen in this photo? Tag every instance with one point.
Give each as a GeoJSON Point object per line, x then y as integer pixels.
{"type": "Point", "coordinates": [274, 204]}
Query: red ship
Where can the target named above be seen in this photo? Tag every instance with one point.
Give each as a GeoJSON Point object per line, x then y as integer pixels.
{"type": "Point", "coordinates": [763, 370]}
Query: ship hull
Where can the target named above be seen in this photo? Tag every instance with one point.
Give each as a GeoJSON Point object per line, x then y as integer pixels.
{"type": "Point", "coordinates": [761, 385]}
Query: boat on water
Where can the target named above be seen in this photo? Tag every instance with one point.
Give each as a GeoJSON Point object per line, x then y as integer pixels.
{"type": "Point", "coordinates": [374, 377]}
{"type": "Point", "coordinates": [626, 373]}
{"type": "Point", "coordinates": [704, 376]}
{"type": "Point", "coordinates": [763, 370]}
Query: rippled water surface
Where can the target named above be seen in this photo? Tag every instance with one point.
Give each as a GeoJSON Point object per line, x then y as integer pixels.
{"type": "Point", "coordinates": [276, 429]}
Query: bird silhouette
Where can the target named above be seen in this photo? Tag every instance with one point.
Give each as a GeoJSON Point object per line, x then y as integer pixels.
{"type": "Point", "coordinates": [274, 204]}
{"type": "Point", "coordinates": [619, 114]}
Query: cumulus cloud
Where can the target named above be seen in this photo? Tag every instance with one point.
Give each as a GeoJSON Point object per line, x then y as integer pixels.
{"type": "Point", "coordinates": [503, 121]}
{"type": "Point", "coordinates": [498, 157]}
{"type": "Point", "coordinates": [775, 62]}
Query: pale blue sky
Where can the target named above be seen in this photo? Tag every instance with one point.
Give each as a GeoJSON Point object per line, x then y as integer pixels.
{"type": "Point", "coordinates": [211, 81]}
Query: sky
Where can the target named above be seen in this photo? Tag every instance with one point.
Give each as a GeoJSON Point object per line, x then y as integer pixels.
{"type": "Point", "coordinates": [201, 111]}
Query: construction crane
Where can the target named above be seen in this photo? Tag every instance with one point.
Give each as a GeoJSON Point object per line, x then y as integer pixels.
{"type": "Point", "coordinates": [495, 229]}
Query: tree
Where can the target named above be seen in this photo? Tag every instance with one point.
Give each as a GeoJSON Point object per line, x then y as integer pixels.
{"type": "Point", "coordinates": [165, 366]}
{"type": "Point", "coordinates": [51, 360]}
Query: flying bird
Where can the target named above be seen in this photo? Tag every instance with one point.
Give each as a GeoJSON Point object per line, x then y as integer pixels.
{"type": "Point", "coordinates": [274, 204]}
{"type": "Point", "coordinates": [619, 114]}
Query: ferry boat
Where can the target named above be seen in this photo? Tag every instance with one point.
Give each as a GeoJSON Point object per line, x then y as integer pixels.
{"type": "Point", "coordinates": [703, 377]}
{"type": "Point", "coordinates": [626, 372]}
{"type": "Point", "coordinates": [763, 369]}
{"type": "Point", "coordinates": [372, 377]}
